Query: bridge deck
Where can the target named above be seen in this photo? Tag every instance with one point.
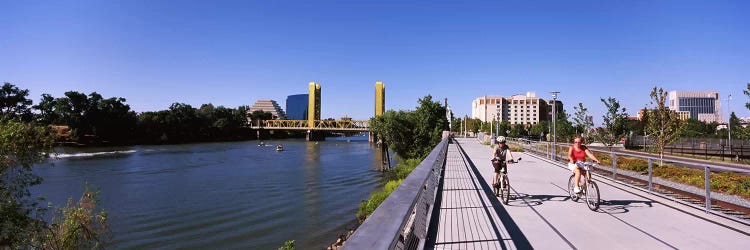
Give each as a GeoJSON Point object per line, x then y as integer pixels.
{"type": "Point", "coordinates": [541, 215]}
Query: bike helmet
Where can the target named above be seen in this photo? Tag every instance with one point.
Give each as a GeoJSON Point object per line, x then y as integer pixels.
{"type": "Point", "coordinates": [501, 139]}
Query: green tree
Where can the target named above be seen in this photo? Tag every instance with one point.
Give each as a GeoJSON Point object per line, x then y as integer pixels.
{"type": "Point", "coordinates": [13, 103]}
{"type": "Point", "coordinates": [581, 123]}
{"type": "Point", "coordinates": [21, 146]}
{"type": "Point", "coordinates": [540, 129]}
{"type": "Point", "coordinates": [662, 122]}
{"type": "Point", "coordinates": [747, 93]}
{"type": "Point", "coordinates": [613, 122]}
{"type": "Point", "coordinates": [412, 134]}
{"type": "Point", "coordinates": [46, 108]}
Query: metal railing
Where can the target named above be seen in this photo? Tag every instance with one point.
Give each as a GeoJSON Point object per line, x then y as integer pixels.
{"type": "Point", "coordinates": [544, 149]}
{"type": "Point", "coordinates": [401, 221]}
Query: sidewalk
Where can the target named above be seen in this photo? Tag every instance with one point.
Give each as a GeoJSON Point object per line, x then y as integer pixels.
{"type": "Point", "coordinates": [541, 213]}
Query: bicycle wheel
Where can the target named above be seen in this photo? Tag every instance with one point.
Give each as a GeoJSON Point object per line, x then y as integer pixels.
{"type": "Point", "coordinates": [592, 196]}
{"type": "Point", "coordinates": [573, 195]}
{"type": "Point", "coordinates": [505, 193]}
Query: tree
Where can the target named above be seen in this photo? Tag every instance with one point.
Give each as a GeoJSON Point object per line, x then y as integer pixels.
{"type": "Point", "coordinates": [747, 93]}
{"type": "Point", "coordinates": [21, 146]}
{"type": "Point", "coordinates": [695, 128]}
{"type": "Point", "coordinates": [46, 108]}
{"type": "Point", "coordinates": [737, 131]}
{"type": "Point", "coordinates": [13, 102]}
{"type": "Point", "coordinates": [540, 129]}
{"type": "Point", "coordinates": [613, 122]}
{"type": "Point", "coordinates": [662, 122]}
{"type": "Point", "coordinates": [412, 134]}
{"type": "Point", "coordinates": [581, 121]}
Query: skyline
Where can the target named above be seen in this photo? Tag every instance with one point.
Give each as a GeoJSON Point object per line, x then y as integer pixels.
{"type": "Point", "coordinates": [235, 53]}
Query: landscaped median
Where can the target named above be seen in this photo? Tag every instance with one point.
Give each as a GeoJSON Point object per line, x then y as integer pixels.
{"type": "Point", "coordinates": [729, 183]}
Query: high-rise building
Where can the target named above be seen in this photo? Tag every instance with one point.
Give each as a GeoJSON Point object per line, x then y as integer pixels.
{"type": "Point", "coordinates": [296, 106]}
{"type": "Point", "coordinates": [268, 106]}
{"type": "Point", "coordinates": [517, 109]}
{"type": "Point", "coordinates": [702, 105]}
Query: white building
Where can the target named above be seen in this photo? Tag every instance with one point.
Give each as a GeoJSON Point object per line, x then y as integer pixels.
{"type": "Point", "coordinates": [702, 105]}
{"type": "Point", "coordinates": [517, 109]}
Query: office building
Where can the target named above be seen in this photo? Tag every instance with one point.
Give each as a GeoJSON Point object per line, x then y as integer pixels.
{"type": "Point", "coordinates": [296, 107]}
{"type": "Point", "coordinates": [268, 106]}
{"type": "Point", "coordinates": [702, 105]}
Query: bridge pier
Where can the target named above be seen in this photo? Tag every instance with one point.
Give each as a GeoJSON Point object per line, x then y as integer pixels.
{"type": "Point", "coordinates": [315, 136]}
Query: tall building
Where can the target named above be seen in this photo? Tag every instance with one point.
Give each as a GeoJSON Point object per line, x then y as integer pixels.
{"type": "Point", "coordinates": [517, 109]}
{"type": "Point", "coordinates": [702, 105]}
{"type": "Point", "coordinates": [379, 98]}
{"type": "Point", "coordinates": [313, 103]}
{"type": "Point", "coordinates": [296, 106]}
{"type": "Point", "coordinates": [268, 106]}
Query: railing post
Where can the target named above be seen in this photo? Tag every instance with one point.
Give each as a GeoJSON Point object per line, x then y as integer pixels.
{"type": "Point", "coordinates": [707, 180]}
{"type": "Point", "coordinates": [614, 165]}
{"type": "Point", "coordinates": [650, 173]}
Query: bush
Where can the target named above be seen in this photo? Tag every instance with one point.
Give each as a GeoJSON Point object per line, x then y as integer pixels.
{"type": "Point", "coordinates": [367, 207]}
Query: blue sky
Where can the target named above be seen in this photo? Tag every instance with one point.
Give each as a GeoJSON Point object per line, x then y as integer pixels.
{"type": "Point", "coordinates": [232, 53]}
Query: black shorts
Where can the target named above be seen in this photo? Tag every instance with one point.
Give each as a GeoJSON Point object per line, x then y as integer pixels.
{"type": "Point", "coordinates": [500, 166]}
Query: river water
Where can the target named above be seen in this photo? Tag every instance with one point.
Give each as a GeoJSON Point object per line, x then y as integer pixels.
{"type": "Point", "coordinates": [234, 195]}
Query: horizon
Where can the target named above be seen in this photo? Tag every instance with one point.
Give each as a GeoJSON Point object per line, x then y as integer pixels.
{"type": "Point", "coordinates": [232, 53]}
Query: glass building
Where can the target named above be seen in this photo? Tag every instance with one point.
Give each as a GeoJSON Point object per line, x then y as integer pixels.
{"type": "Point", "coordinates": [702, 105]}
{"type": "Point", "coordinates": [296, 107]}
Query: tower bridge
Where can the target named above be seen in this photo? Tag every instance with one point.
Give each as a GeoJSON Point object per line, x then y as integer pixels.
{"type": "Point", "coordinates": [314, 126]}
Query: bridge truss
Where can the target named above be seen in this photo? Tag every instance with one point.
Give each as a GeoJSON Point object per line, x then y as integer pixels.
{"type": "Point", "coordinates": [318, 125]}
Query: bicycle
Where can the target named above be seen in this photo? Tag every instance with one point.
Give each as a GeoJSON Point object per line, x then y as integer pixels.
{"type": "Point", "coordinates": [589, 189]}
{"type": "Point", "coordinates": [502, 185]}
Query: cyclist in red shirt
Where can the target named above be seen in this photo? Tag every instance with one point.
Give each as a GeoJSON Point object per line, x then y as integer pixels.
{"type": "Point", "coordinates": [578, 152]}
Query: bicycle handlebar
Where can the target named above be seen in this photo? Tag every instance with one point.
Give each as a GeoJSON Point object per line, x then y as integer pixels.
{"type": "Point", "coordinates": [508, 161]}
{"type": "Point", "coordinates": [586, 164]}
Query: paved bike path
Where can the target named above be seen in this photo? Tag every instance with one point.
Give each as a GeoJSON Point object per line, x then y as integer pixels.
{"type": "Point", "coordinates": [546, 217]}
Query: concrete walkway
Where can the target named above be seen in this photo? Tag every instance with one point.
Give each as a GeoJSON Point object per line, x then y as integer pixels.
{"type": "Point", "coordinates": [542, 216]}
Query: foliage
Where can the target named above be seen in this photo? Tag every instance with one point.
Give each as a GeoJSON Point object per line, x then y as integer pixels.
{"type": "Point", "coordinates": [367, 207]}
{"type": "Point", "coordinates": [393, 178]}
{"type": "Point", "coordinates": [696, 128]}
{"type": "Point", "coordinates": [540, 128]}
{"type": "Point", "coordinates": [747, 93]}
{"type": "Point", "coordinates": [581, 121]}
{"type": "Point", "coordinates": [517, 130]}
{"type": "Point", "coordinates": [564, 128]}
{"type": "Point", "coordinates": [662, 122]}
{"type": "Point", "coordinates": [738, 132]}
{"type": "Point", "coordinates": [412, 134]}
{"type": "Point", "coordinates": [21, 146]}
{"type": "Point", "coordinates": [288, 245]}
{"type": "Point", "coordinates": [13, 103]}
{"type": "Point", "coordinates": [78, 225]}
{"type": "Point", "coordinates": [613, 122]}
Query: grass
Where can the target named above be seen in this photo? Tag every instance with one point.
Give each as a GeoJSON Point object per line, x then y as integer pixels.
{"type": "Point", "coordinates": [393, 178]}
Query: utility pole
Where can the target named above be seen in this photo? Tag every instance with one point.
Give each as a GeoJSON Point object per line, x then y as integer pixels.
{"type": "Point", "coordinates": [554, 122]}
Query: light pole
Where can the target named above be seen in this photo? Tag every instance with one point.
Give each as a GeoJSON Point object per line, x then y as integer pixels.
{"type": "Point", "coordinates": [729, 123]}
{"type": "Point", "coordinates": [554, 122]}
{"type": "Point", "coordinates": [497, 125]}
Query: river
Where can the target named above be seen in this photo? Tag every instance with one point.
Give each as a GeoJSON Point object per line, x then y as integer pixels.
{"type": "Point", "coordinates": [232, 195]}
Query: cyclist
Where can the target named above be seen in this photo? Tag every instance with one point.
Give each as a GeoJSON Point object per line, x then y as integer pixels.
{"type": "Point", "coordinates": [499, 156]}
{"type": "Point", "coordinates": [578, 152]}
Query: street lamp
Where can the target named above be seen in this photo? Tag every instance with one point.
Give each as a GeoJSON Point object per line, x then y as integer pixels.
{"type": "Point", "coordinates": [554, 122]}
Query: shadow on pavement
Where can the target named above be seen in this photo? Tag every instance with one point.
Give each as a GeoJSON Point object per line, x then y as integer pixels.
{"type": "Point", "coordinates": [622, 206]}
{"type": "Point", "coordinates": [516, 235]}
